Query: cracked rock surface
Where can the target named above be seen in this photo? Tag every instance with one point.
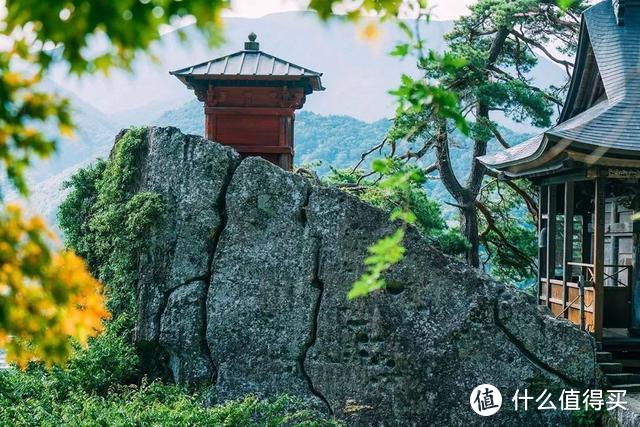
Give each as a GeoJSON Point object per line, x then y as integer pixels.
{"type": "Point", "coordinates": [191, 177]}
{"type": "Point", "coordinates": [244, 286]}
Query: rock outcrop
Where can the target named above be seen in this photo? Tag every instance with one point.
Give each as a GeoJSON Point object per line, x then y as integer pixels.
{"type": "Point", "coordinates": [244, 285]}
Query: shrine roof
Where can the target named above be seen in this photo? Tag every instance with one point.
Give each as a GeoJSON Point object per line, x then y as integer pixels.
{"type": "Point", "coordinates": [249, 64]}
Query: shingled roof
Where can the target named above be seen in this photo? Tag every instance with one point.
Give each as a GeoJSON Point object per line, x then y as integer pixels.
{"type": "Point", "coordinates": [523, 150]}
{"type": "Point", "coordinates": [601, 113]}
{"type": "Point", "coordinates": [249, 64]}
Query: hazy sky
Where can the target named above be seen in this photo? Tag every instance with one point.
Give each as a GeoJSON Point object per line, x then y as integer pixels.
{"type": "Point", "coordinates": [123, 91]}
{"type": "Point", "coordinates": [442, 9]}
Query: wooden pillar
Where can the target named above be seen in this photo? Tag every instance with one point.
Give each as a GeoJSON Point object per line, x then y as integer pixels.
{"type": "Point", "coordinates": [207, 95]}
{"type": "Point", "coordinates": [208, 126]}
{"type": "Point", "coordinates": [634, 282]}
{"type": "Point", "coordinates": [542, 260]}
{"type": "Point", "coordinates": [615, 247]}
{"type": "Point", "coordinates": [569, 192]}
{"type": "Point", "coordinates": [587, 252]}
{"type": "Point", "coordinates": [598, 255]}
{"type": "Point", "coordinates": [551, 237]}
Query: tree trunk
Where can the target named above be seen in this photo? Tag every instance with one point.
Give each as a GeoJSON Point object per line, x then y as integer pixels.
{"type": "Point", "coordinates": [464, 197]}
{"type": "Point", "coordinates": [467, 194]}
{"type": "Point", "coordinates": [469, 229]}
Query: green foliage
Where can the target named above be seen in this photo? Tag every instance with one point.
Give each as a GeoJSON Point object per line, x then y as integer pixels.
{"type": "Point", "coordinates": [472, 76]}
{"type": "Point", "coordinates": [474, 71]}
{"type": "Point", "coordinates": [385, 8]}
{"type": "Point", "coordinates": [338, 141]}
{"type": "Point", "coordinates": [21, 404]}
{"type": "Point", "coordinates": [415, 96]}
{"type": "Point", "coordinates": [451, 242]}
{"type": "Point", "coordinates": [566, 4]}
{"type": "Point", "coordinates": [122, 171]}
{"type": "Point", "coordinates": [46, 296]}
{"type": "Point", "coordinates": [100, 386]}
{"type": "Point", "coordinates": [76, 210]}
{"type": "Point", "coordinates": [109, 360]}
{"type": "Point", "coordinates": [105, 221]}
{"type": "Point", "coordinates": [125, 27]}
{"type": "Point", "coordinates": [141, 213]}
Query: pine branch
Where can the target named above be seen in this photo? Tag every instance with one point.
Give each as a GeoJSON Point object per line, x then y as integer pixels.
{"type": "Point", "coordinates": [534, 43]}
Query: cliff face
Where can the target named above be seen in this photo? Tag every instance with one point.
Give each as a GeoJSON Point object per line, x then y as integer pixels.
{"type": "Point", "coordinates": [243, 284]}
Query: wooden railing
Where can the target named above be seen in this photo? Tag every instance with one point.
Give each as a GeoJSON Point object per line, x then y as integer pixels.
{"type": "Point", "coordinates": [587, 271]}
{"type": "Point", "coordinates": [575, 300]}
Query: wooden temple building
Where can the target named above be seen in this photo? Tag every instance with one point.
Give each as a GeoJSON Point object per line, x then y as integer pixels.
{"type": "Point", "coordinates": [250, 98]}
{"type": "Point", "coordinates": [587, 170]}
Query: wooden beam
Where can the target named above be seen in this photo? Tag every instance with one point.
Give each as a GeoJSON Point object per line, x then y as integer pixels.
{"type": "Point", "coordinates": [598, 255]}
{"type": "Point", "coordinates": [569, 199]}
{"type": "Point", "coordinates": [551, 236]}
{"type": "Point", "coordinates": [261, 111]}
{"type": "Point", "coordinates": [618, 169]}
{"type": "Point", "coordinates": [573, 176]}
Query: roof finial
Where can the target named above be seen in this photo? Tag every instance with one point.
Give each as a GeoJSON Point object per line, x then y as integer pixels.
{"type": "Point", "coordinates": [252, 44]}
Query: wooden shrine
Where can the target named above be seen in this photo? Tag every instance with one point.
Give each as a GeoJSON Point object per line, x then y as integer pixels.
{"type": "Point", "coordinates": [250, 98]}
{"type": "Point", "coordinates": [587, 170]}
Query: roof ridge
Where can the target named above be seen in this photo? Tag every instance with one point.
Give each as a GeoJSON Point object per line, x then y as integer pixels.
{"type": "Point", "coordinates": [305, 70]}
